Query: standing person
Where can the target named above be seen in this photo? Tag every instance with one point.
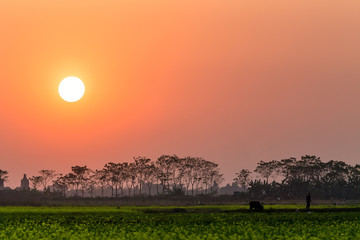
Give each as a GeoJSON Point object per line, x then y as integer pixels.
{"type": "Point", "coordinates": [308, 201]}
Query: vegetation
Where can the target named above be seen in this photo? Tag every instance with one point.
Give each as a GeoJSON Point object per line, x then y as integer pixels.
{"type": "Point", "coordinates": [285, 179]}
{"type": "Point", "coordinates": [293, 178]}
{"type": "Point", "coordinates": [170, 223]}
{"type": "Point", "coordinates": [170, 175]}
{"type": "Point", "coordinates": [3, 177]}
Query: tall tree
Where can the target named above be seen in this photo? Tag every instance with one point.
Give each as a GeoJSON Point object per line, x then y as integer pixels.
{"type": "Point", "coordinates": [243, 178]}
{"type": "Point", "coordinates": [128, 176]}
{"type": "Point", "coordinates": [101, 179]}
{"type": "Point", "coordinates": [188, 173]}
{"type": "Point", "coordinates": [46, 177]}
{"type": "Point", "coordinates": [71, 182]}
{"type": "Point", "coordinates": [62, 184]}
{"type": "Point", "coordinates": [3, 177]}
{"type": "Point", "coordinates": [164, 166]}
{"type": "Point", "coordinates": [132, 171]}
{"type": "Point", "coordinates": [266, 169]}
{"type": "Point", "coordinates": [36, 181]}
{"type": "Point", "coordinates": [287, 168]}
{"type": "Point", "coordinates": [90, 183]}
{"type": "Point", "coordinates": [141, 165]}
{"type": "Point", "coordinates": [113, 174]}
{"type": "Point", "coordinates": [210, 175]}
{"type": "Point", "coordinates": [150, 176]}
{"type": "Point", "coordinates": [195, 174]}
{"type": "Point", "coordinates": [80, 178]}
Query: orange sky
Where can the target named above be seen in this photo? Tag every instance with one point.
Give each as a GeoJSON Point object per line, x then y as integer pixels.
{"type": "Point", "coordinates": [233, 81]}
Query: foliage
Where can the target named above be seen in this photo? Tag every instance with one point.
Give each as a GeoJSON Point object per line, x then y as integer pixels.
{"type": "Point", "coordinates": [174, 175]}
{"type": "Point", "coordinates": [3, 177]}
{"type": "Point", "coordinates": [35, 181]}
{"type": "Point", "coordinates": [243, 178]}
{"type": "Point", "coordinates": [293, 179]}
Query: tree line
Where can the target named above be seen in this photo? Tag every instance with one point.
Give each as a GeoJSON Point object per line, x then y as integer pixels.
{"type": "Point", "coordinates": [168, 175]}
{"type": "Point", "coordinates": [289, 178]}
{"type": "Point", "coordinates": [292, 179]}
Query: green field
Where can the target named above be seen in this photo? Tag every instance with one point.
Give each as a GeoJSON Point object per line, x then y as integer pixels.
{"type": "Point", "coordinates": [202, 222]}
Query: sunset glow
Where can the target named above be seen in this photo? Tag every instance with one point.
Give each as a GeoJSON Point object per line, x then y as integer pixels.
{"type": "Point", "coordinates": [234, 82]}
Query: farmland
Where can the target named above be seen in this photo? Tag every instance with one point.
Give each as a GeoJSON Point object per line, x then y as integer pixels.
{"type": "Point", "coordinates": [200, 222]}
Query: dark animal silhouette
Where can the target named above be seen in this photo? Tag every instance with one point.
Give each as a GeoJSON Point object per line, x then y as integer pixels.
{"type": "Point", "coordinates": [256, 205]}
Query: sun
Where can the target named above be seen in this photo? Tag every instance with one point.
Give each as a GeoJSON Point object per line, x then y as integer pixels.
{"type": "Point", "coordinates": [71, 89]}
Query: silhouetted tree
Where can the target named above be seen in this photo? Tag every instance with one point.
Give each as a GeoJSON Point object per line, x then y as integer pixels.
{"type": "Point", "coordinates": [243, 178]}
{"type": "Point", "coordinates": [71, 182]}
{"type": "Point", "coordinates": [90, 183]}
{"type": "Point", "coordinates": [101, 179]}
{"type": "Point", "coordinates": [62, 184]}
{"type": "Point", "coordinates": [196, 173]}
{"type": "Point", "coordinates": [141, 165]}
{"type": "Point", "coordinates": [163, 165]}
{"type": "Point", "coordinates": [128, 176]}
{"type": "Point", "coordinates": [266, 169]}
{"type": "Point", "coordinates": [80, 176]}
{"type": "Point", "coordinates": [36, 181]}
{"type": "Point", "coordinates": [46, 177]}
{"type": "Point", "coordinates": [150, 175]}
{"type": "Point", "coordinates": [327, 180]}
{"type": "Point", "coordinates": [210, 175]}
{"type": "Point", "coordinates": [3, 177]}
{"type": "Point", "coordinates": [113, 176]}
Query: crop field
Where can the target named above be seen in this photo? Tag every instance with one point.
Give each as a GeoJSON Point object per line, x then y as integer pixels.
{"type": "Point", "coordinates": [202, 222]}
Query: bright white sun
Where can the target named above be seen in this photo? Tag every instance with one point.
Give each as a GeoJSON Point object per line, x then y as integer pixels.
{"type": "Point", "coordinates": [71, 89]}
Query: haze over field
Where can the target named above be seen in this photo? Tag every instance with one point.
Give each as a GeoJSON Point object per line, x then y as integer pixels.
{"type": "Point", "coordinates": [234, 82]}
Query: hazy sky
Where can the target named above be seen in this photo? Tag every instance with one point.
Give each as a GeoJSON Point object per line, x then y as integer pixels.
{"type": "Point", "coordinates": [233, 81]}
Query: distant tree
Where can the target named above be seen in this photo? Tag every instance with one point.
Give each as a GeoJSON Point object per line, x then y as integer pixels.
{"type": "Point", "coordinates": [209, 173]}
{"type": "Point", "coordinates": [354, 181]}
{"type": "Point", "coordinates": [243, 178]}
{"type": "Point", "coordinates": [287, 168]}
{"type": "Point", "coordinates": [113, 176]}
{"type": "Point", "coordinates": [336, 171]}
{"type": "Point", "coordinates": [310, 168]}
{"type": "Point", "coordinates": [187, 173]}
{"type": "Point", "coordinates": [266, 169]}
{"type": "Point", "coordinates": [332, 179]}
{"type": "Point", "coordinates": [3, 177]}
{"type": "Point", "coordinates": [46, 177]}
{"type": "Point", "coordinates": [62, 184]}
{"type": "Point", "coordinates": [90, 183]}
{"type": "Point", "coordinates": [165, 171]}
{"type": "Point", "coordinates": [354, 175]}
{"type": "Point", "coordinates": [71, 182]}
{"type": "Point", "coordinates": [257, 189]}
{"type": "Point", "coordinates": [141, 165]}
{"type": "Point", "coordinates": [101, 179]}
{"type": "Point", "coordinates": [128, 176]}
{"type": "Point", "coordinates": [150, 175]}
{"type": "Point", "coordinates": [36, 181]}
{"type": "Point", "coordinates": [195, 173]}
{"type": "Point", "coordinates": [176, 170]}
{"type": "Point", "coordinates": [132, 172]}
{"type": "Point", "coordinates": [80, 175]}
{"type": "Point", "coordinates": [215, 179]}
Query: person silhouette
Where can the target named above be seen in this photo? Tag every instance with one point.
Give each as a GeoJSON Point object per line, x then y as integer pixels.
{"type": "Point", "coordinates": [308, 201]}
